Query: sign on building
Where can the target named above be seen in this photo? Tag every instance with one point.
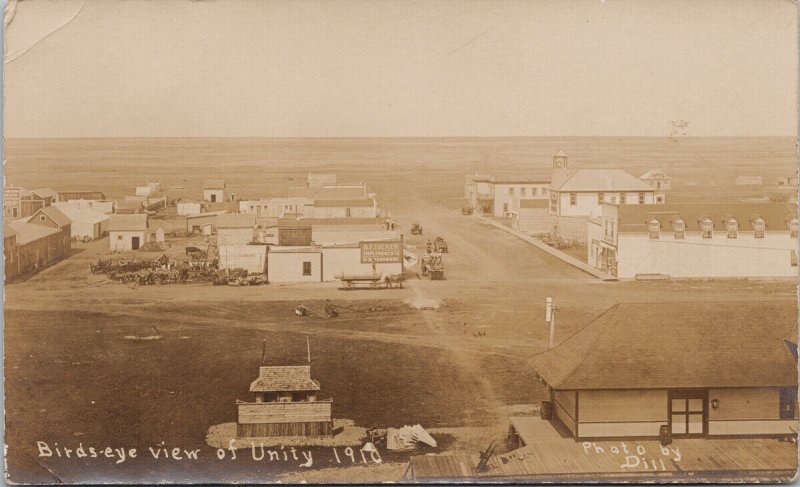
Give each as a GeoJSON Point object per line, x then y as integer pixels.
{"type": "Point", "coordinates": [383, 252]}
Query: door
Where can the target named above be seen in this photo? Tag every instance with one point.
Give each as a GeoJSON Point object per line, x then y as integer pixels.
{"type": "Point", "coordinates": [134, 243]}
{"type": "Point", "coordinates": [688, 413]}
{"type": "Point", "coordinates": [213, 198]}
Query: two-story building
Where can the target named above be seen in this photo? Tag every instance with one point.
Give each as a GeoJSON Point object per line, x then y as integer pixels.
{"type": "Point", "coordinates": [695, 240]}
{"type": "Point", "coordinates": [578, 195]}
{"type": "Point", "coordinates": [496, 197]}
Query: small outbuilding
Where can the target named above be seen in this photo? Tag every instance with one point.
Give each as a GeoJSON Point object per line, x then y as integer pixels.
{"type": "Point", "coordinates": [127, 232]}
{"type": "Point", "coordinates": [214, 190]}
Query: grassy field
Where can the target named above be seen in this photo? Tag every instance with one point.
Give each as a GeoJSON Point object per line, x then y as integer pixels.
{"type": "Point", "coordinates": [72, 376]}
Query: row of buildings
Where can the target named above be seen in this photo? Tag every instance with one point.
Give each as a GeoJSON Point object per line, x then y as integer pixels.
{"type": "Point", "coordinates": [630, 231]}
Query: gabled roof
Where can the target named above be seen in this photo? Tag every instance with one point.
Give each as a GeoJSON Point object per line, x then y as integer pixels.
{"type": "Point", "coordinates": [285, 378]}
{"type": "Point", "coordinates": [44, 193]}
{"type": "Point", "coordinates": [634, 218]}
{"type": "Point", "coordinates": [606, 180]}
{"type": "Point", "coordinates": [29, 232]}
{"type": "Point", "coordinates": [676, 345]}
{"type": "Point", "coordinates": [8, 231]}
{"type": "Point", "coordinates": [54, 214]}
{"type": "Point", "coordinates": [560, 153]}
{"type": "Point", "coordinates": [655, 174]}
{"type": "Point", "coordinates": [354, 203]}
{"type": "Point", "coordinates": [236, 220]}
{"type": "Point", "coordinates": [84, 215]}
{"type": "Point", "coordinates": [214, 184]}
{"type": "Point", "coordinates": [127, 223]}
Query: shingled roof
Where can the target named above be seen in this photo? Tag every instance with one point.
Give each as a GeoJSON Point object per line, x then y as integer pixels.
{"type": "Point", "coordinates": [672, 345]}
{"type": "Point", "coordinates": [285, 378]}
{"type": "Point", "coordinates": [634, 218]}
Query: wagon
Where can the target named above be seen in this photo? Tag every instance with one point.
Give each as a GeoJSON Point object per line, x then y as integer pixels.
{"type": "Point", "coordinates": [371, 281]}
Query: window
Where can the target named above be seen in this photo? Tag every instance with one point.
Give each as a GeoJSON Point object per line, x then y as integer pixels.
{"type": "Point", "coordinates": [42, 218]}
{"type": "Point", "coordinates": [758, 227]}
{"type": "Point", "coordinates": [733, 228]}
{"type": "Point", "coordinates": [793, 228]}
{"type": "Point", "coordinates": [573, 199]}
{"type": "Point", "coordinates": [622, 198]}
{"type": "Point", "coordinates": [680, 229]}
{"type": "Point", "coordinates": [613, 200]}
{"type": "Point", "coordinates": [347, 212]}
{"type": "Point", "coordinates": [654, 229]}
{"type": "Point", "coordinates": [505, 207]}
{"type": "Point", "coordinates": [306, 268]}
{"type": "Point", "coordinates": [600, 198]}
{"type": "Point", "coordinates": [119, 237]}
{"type": "Point", "coordinates": [511, 191]}
{"type": "Point", "coordinates": [708, 228]}
{"type": "Point", "coordinates": [641, 198]}
{"type": "Point", "coordinates": [523, 191]}
{"type": "Point", "coordinates": [534, 191]}
{"type": "Point", "coordinates": [788, 402]}
{"type": "Point", "coordinates": [793, 258]}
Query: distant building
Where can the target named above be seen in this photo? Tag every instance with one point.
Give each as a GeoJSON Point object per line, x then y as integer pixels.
{"type": "Point", "coordinates": [496, 197]}
{"type": "Point", "coordinates": [80, 195]}
{"type": "Point", "coordinates": [127, 232]}
{"type": "Point", "coordinates": [657, 179]}
{"type": "Point", "coordinates": [278, 207]}
{"type": "Point", "coordinates": [578, 195]}
{"type": "Point", "coordinates": [699, 369]}
{"type": "Point", "coordinates": [695, 240]}
{"type": "Point", "coordinates": [787, 181]}
{"type": "Point", "coordinates": [144, 190]}
{"type": "Point", "coordinates": [86, 223]}
{"type": "Point", "coordinates": [203, 223]}
{"type": "Point", "coordinates": [235, 228]}
{"type": "Point", "coordinates": [45, 194]}
{"type": "Point", "coordinates": [321, 180]}
{"type": "Point", "coordinates": [356, 208]}
{"type": "Point", "coordinates": [102, 206]}
{"type": "Point", "coordinates": [214, 190]}
{"type": "Point", "coordinates": [531, 216]}
{"type": "Point", "coordinates": [749, 181]}
{"type": "Point", "coordinates": [21, 203]}
{"type": "Point", "coordinates": [286, 404]}
{"type": "Point", "coordinates": [188, 208]}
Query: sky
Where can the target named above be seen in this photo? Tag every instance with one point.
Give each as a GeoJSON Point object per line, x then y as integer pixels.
{"type": "Point", "coordinates": [400, 68]}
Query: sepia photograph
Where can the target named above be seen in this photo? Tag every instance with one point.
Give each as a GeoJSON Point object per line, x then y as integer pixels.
{"type": "Point", "coordinates": [407, 241]}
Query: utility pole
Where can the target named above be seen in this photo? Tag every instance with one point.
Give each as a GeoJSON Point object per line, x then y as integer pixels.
{"type": "Point", "coordinates": [550, 318]}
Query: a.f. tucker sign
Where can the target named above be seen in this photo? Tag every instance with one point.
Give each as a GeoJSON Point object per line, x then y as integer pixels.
{"type": "Point", "coordinates": [383, 252]}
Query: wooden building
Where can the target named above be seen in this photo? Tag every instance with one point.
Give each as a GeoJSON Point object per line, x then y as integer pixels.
{"type": "Point", "coordinates": [127, 232]}
{"type": "Point", "coordinates": [286, 404]}
{"type": "Point", "coordinates": [203, 223]}
{"type": "Point", "coordinates": [701, 370]}
{"type": "Point", "coordinates": [531, 216]}
{"type": "Point", "coordinates": [214, 190]}
{"type": "Point", "coordinates": [235, 228]}
{"type": "Point", "coordinates": [695, 240]}
{"type": "Point", "coordinates": [36, 244]}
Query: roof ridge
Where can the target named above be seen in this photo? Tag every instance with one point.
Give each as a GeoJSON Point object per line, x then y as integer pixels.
{"type": "Point", "coordinates": [596, 338]}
